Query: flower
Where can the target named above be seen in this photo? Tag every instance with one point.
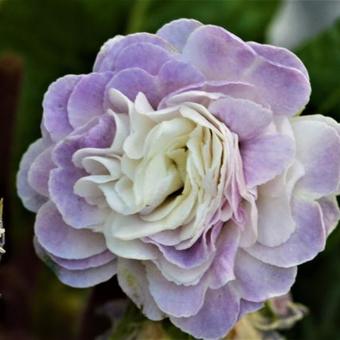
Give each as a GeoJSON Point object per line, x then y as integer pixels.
{"type": "Point", "coordinates": [181, 164]}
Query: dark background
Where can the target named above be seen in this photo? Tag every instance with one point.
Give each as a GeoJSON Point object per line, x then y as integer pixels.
{"type": "Point", "coordinates": [41, 40]}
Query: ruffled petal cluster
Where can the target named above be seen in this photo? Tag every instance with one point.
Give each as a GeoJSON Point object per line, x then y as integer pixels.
{"type": "Point", "coordinates": [181, 164]}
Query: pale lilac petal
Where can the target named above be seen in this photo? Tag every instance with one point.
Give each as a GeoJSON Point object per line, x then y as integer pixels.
{"type": "Point", "coordinates": [89, 262]}
{"type": "Point", "coordinates": [303, 245]}
{"type": "Point", "coordinates": [200, 252]}
{"type": "Point", "coordinates": [88, 277]}
{"type": "Point", "coordinates": [265, 157]}
{"type": "Point", "coordinates": [286, 90]}
{"type": "Point", "coordinates": [97, 133]}
{"type": "Point", "coordinates": [217, 316]}
{"type": "Point", "coordinates": [246, 118]}
{"type": "Point", "coordinates": [55, 117]}
{"type": "Point", "coordinates": [275, 220]}
{"type": "Point", "coordinates": [30, 198]}
{"type": "Point", "coordinates": [63, 241]}
{"type": "Point", "coordinates": [38, 174]}
{"type": "Point", "coordinates": [258, 281]}
{"type": "Point", "coordinates": [173, 299]}
{"type": "Point", "coordinates": [276, 223]}
{"type": "Point", "coordinates": [133, 80]}
{"type": "Point", "coordinates": [221, 55]}
{"type": "Point", "coordinates": [279, 55]}
{"type": "Point", "coordinates": [74, 209]}
{"type": "Point", "coordinates": [77, 278]}
{"type": "Point", "coordinates": [176, 74]}
{"type": "Point", "coordinates": [86, 100]}
{"type": "Point", "coordinates": [132, 279]}
{"type": "Point", "coordinates": [222, 269]}
{"type": "Point", "coordinates": [248, 307]}
{"type": "Point", "coordinates": [177, 31]}
{"type": "Point", "coordinates": [330, 212]}
{"type": "Point", "coordinates": [146, 56]}
{"type": "Point", "coordinates": [318, 146]}
{"type": "Point", "coordinates": [107, 57]}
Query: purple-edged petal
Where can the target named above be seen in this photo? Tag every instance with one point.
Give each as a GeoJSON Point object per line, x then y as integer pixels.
{"type": "Point", "coordinates": [194, 256]}
{"type": "Point", "coordinates": [107, 56]}
{"type": "Point", "coordinates": [30, 198]}
{"type": "Point", "coordinates": [173, 299]}
{"type": "Point", "coordinates": [77, 278]}
{"type": "Point", "coordinates": [55, 117]}
{"type": "Point", "coordinates": [318, 146]}
{"type": "Point", "coordinates": [63, 241]}
{"type": "Point", "coordinates": [146, 56]}
{"type": "Point", "coordinates": [175, 75]}
{"type": "Point", "coordinates": [133, 80]}
{"type": "Point", "coordinates": [74, 209]}
{"type": "Point", "coordinates": [266, 157]}
{"type": "Point", "coordinates": [220, 55]}
{"type": "Point", "coordinates": [97, 133]}
{"type": "Point", "coordinates": [280, 56]}
{"type": "Point", "coordinates": [132, 279]}
{"type": "Point", "coordinates": [86, 100]}
{"type": "Point", "coordinates": [177, 31]}
{"type": "Point", "coordinates": [87, 263]}
{"type": "Point", "coordinates": [39, 172]}
{"type": "Point", "coordinates": [248, 307]}
{"type": "Point", "coordinates": [222, 269]}
{"type": "Point", "coordinates": [88, 277]}
{"type": "Point", "coordinates": [286, 90]}
{"type": "Point", "coordinates": [330, 212]}
{"type": "Point", "coordinates": [258, 281]}
{"type": "Point", "coordinates": [303, 245]}
{"type": "Point", "coordinates": [246, 118]}
{"type": "Point", "coordinates": [217, 316]}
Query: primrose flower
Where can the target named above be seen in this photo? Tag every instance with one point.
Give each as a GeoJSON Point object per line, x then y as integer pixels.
{"type": "Point", "coordinates": [181, 165]}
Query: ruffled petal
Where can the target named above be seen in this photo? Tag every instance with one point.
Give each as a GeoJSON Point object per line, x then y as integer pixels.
{"type": "Point", "coordinates": [30, 198]}
{"type": "Point", "coordinates": [132, 280]}
{"type": "Point", "coordinates": [133, 80]}
{"type": "Point", "coordinates": [246, 118]}
{"type": "Point", "coordinates": [303, 245]}
{"type": "Point", "coordinates": [220, 55]}
{"type": "Point", "coordinates": [217, 316]}
{"type": "Point", "coordinates": [78, 278]}
{"type": "Point", "coordinates": [146, 56]}
{"type": "Point", "coordinates": [175, 300]}
{"type": "Point", "coordinates": [63, 241]}
{"type": "Point", "coordinates": [175, 75]}
{"type": "Point", "coordinates": [97, 133]}
{"type": "Point", "coordinates": [257, 281]}
{"type": "Point", "coordinates": [177, 31]}
{"type": "Point", "coordinates": [86, 100]}
{"type": "Point", "coordinates": [55, 117]}
{"type": "Point", "coordinates": [265, 157]}
{"type": "Point", "coordinates": [90, 262]}
{"type": "Point", "coordinates": [280, 56]}
{"type": "Point", "coordinates": [74, 209]}
{"type": "Point", "coordinates": [107, 56]}
{"type": "Point", "coordinates": [39, 172]}
{"type": "Point", "coordinates": [330, 212]}
{"type": "Point", "coordinates": [318, 145]}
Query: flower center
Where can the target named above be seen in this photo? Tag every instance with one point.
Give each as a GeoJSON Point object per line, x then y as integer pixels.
{"type": "Point", "coordinates": [163, 170]}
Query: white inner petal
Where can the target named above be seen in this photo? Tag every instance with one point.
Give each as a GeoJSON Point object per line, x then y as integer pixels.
{"type": "Point", "coordinates": [165, 170]}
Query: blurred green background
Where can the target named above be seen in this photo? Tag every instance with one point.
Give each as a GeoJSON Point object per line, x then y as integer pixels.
{"type": "Point", "coordinates": [41, 40]}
